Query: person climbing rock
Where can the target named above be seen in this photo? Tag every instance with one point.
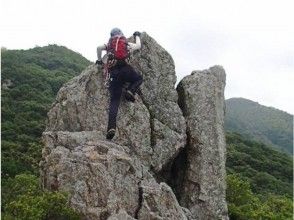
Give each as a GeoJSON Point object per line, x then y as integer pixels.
{"type": "Point", "coordinates": [118, 51]}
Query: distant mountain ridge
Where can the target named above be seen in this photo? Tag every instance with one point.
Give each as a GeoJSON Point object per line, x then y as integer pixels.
{"type": "Point", "coordinates": [266, 124]}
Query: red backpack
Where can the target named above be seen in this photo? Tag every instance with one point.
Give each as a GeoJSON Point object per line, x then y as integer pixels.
{"type": "Point", "coordinates": [118, 47]}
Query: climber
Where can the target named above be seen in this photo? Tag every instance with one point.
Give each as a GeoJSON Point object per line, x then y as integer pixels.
{"type": "Point", "coordinates": [118, 53]}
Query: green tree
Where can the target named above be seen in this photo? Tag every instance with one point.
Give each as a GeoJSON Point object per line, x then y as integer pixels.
{"type": "Point", "coordinates": [241, 201]}
{"type": "Point", "coordinates": [25, 200]}
{"type": "Point", "coordinates": [244, 204]}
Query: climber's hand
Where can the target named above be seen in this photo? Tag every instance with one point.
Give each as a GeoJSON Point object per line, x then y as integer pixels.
{"type": "Point", "coordinates": [99, 62]}
{"type": "Point", "coordinates": [136, 33]}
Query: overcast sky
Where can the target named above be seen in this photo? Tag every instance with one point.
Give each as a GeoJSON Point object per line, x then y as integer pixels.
{"type": "Point", "coordinates": [252, 39]}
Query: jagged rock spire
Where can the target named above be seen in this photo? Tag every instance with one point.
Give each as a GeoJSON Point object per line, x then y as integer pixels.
{"type": "Point", "coordinates": [122, 179]}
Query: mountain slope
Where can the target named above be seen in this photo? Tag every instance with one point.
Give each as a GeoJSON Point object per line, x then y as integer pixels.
{"type": "Point", "coordinates": [268, 125]}
{"type": "Point", "coordinates": [269, 171]}
{"type": "Point", "coordinates": [30, 80]}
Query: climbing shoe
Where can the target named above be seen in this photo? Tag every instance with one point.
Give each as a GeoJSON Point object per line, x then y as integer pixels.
{"type": "Point", "coordinates": [130, 96]}
{"type": "Point", "coordinates": [110, 134]}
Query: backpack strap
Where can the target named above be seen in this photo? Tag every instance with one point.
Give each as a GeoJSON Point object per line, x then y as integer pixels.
{"type": "Point", "coordinates": [116, 44]}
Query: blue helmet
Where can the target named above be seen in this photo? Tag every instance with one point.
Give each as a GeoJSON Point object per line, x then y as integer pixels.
{"type": "Point", "coordinates": [116, 31]}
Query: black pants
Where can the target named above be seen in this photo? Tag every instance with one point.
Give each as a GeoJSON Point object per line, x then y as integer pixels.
{"type": "Point", "coordinates": [119, 75]}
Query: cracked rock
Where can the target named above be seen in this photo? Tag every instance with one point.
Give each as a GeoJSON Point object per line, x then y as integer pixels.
{"type": "Point", "coordinates": [152, 125]}
{"type": "Point", "coordinates": [102, 179]}
{"type": "Point", "coordinates": [201, 97]}
{"type": "Point", "coordinates": [127, 178]}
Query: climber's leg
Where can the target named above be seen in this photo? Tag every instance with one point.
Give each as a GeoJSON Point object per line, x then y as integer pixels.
{"type": "Point", "coordinates": [115, 90]}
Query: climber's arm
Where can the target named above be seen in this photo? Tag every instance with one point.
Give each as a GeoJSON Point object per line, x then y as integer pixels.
{"type": "Point", "coordinates": [135, 46]}
{"type": "Point", "coordinates": [99, 51]}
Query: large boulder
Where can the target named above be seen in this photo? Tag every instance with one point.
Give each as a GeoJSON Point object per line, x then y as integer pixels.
{"type": "Point", "coordinates": [102, 176]}
{"type": "Point", "coordinates": [201, 97]}
{"type": "Point", "coordinates": [153, 127]}
{"type": "Point", "coordinates": [103, 180]}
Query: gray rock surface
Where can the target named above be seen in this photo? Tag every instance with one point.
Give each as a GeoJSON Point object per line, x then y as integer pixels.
{"type": "Point", "coordinates": [102, 178]}
{"type": "Point", "coordinates": [158, 201]}
{"type": "Point", "coordinates": [121, 215]}
{"type": "Point", "coordinates": [153, 126]}
{"type": "Point", "coordinates": [119, 179]}
{"type": "Point", "coordinates": [201, 98]}
{"type": "Point", "coordinates": [168, 128]}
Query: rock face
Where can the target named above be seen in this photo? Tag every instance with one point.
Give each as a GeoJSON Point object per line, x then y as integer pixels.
{"type": "Point", "coordinates": [119, 179]}
{"type": "Point", "coordinates": [201, 97]}
{"type": "Point", "coordinates": [153, 127]}
{"type": "Point", "coordinates": [103, 179]}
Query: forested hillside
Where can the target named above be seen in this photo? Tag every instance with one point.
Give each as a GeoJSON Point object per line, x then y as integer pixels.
{"type": "Point", "coordinates": [254, 121]}
{"type": "Point", "coordinates": [259, 163]}
{"type": "Point", "coordinates": [30, 80]}
{"type": "Point", "coordinates": [260, 180]}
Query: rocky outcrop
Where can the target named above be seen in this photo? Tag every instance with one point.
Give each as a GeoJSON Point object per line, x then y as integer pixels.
{"type": "Point", "coordinates": [168, 129]}
{"type": "Point", "coordinates": [103, 180]}
{"type": "Point", "coordinates": [133, 176]}
{"type": "Point", "coordinates": [201, 97]}
{"type": "Point", "coordinates": [153, 127]}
